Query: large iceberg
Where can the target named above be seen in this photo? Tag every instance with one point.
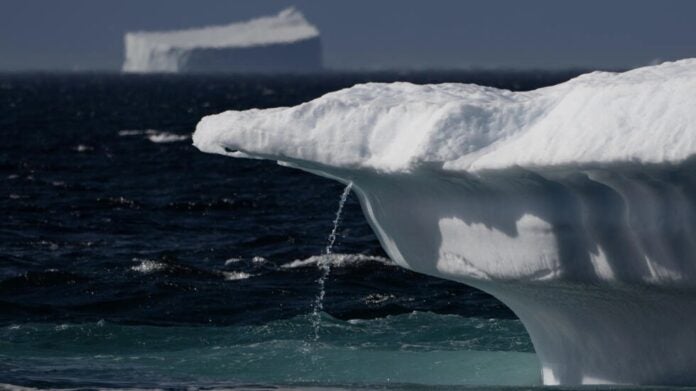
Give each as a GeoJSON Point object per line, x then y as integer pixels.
{"type": "Point", "coordinates": [282, 43]}
{"type": "Point", "coordinates": [573, 204]}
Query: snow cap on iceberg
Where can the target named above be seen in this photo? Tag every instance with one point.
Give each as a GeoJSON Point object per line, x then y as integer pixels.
{"type": "Point", "coordinates": [645, 115]}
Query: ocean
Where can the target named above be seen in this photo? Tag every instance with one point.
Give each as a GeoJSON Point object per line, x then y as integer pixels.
{"type": "Point", "coordinates": [129, 259]}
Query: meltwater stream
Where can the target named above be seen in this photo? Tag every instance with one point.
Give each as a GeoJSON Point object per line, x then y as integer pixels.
{"type": "Point", "coordinates": [325, 265]}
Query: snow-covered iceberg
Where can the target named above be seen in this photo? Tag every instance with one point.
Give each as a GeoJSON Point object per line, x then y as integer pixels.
{"type": "Point", "coordinates": [573, 204]}
{"type": "Point", "coordinates": [282, 43]}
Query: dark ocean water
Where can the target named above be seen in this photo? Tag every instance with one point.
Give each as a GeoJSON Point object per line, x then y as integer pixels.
{"type": "Point", "coordinates": [130, 259]}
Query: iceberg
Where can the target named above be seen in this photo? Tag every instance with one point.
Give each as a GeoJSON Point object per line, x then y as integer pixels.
{"type": "Point", "coordinates": [574, 204]}
{"type": "Point", "coordinates": [282, 43]}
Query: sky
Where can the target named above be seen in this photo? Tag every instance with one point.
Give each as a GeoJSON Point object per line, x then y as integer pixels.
{"type": "Point", "coordinates": [80, 35]}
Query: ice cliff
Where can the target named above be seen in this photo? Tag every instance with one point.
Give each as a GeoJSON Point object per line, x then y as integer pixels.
{"type": "Point", "coordinates": [282, 43]}
{"type": "Point", "coordinates": [573, 204]}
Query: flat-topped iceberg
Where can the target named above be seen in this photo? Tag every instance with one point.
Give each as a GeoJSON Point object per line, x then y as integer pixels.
{"type": "Point", "coordinates": [281, 43]}
{"type": "Point", "coordinates": [573, 204]}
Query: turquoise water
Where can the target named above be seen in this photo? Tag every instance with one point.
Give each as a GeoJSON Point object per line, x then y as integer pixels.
{"type": "Point", "coordinates": [416, 348]}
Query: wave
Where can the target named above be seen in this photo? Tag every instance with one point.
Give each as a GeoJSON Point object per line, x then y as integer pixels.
{"type": "Point", "coordinates": [147, 266]}
{"type": "Point", "coordinates": [337, 261]}
{"type": "Point", "coordinates": [234, 276]}
{"type": "Point", "coordinates": [170, 266]}
{"type": "Point", "coordinates": [258, 265]}
{"type": "Point", "coordinates": [166, 137]}
{"type": "Point", "coordinates": [155, 136]}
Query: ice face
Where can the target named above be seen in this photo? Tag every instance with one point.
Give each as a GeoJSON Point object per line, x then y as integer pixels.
{"type": "Point", "coordinates": [250, 45]}
{"type": "Point", "coordinates": [573, 204]}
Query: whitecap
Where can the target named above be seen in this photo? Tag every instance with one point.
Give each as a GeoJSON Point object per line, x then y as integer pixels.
{"type": "Point", "coordinates": [257, 260]}
{"type": "Point", "coordinates": [377, 298]}
{"type": "Point", "coordinates": [336, 260]}
{"type": "Point", "coordinates": [232, 260]}
{"type": "Point", "coordinates": [234, 276]}
{"type": "Point", "coordinates": [165, 137]}
{"type": "Point", "coordinates": [154, 135]}
{"type": "Point", "coordinates": [147, 266]}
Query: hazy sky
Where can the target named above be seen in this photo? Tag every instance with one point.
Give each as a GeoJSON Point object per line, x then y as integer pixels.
{"type": "Point", "coordinates": [369, 34]}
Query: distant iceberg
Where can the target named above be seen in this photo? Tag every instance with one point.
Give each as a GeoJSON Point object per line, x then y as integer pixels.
{"type": "Point", "coordinates": [573, 204]}
{"type": "Point", "coordinates": [282, 43]}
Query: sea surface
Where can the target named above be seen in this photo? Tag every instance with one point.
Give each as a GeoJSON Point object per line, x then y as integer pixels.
{"type": "Point", "coordinates": [129, 259]}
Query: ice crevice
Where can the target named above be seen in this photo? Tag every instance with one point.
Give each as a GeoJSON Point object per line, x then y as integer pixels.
{"type": "Point", "coordinates": [574, 204]}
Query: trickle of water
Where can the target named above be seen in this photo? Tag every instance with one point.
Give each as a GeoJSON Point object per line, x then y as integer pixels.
{"type": "Point", "coordinates": [325, 265]}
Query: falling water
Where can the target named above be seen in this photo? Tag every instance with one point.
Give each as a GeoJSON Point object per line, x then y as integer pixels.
{"type": "Point", "coordinates": [324, 264]}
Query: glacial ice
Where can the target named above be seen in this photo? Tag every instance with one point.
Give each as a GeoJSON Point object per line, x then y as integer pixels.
{"type": "Point", "coordinates": [281, 43]}
{"type": "Point", "coordinates": [574, 204]}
